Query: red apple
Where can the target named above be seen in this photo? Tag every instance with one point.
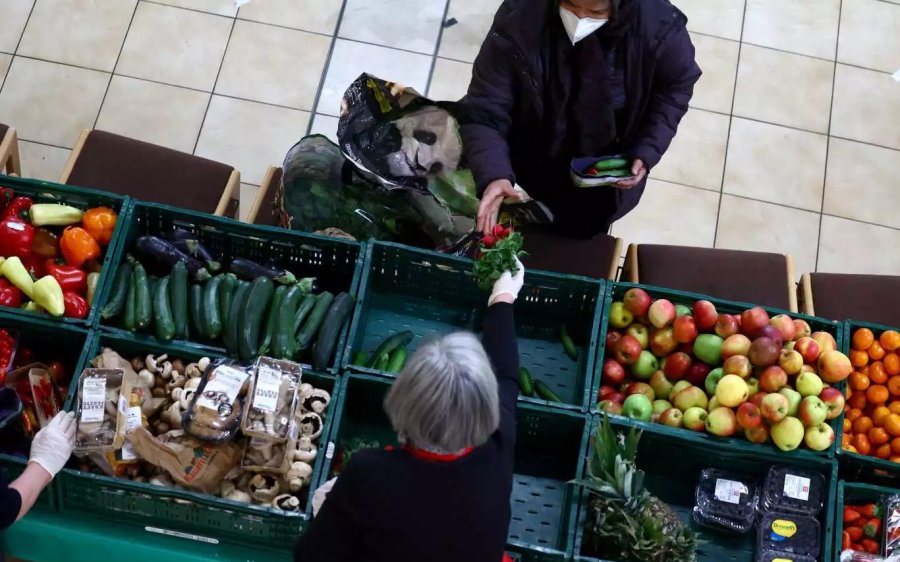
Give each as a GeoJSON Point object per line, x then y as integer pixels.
{"type": "Point", "coordinates": [685, 329]}
{"type": "Point", "coordinates": [641, 388]}
{"type": "Point", "coordinates": [605, 391]}
{"type": "Point", "coordinates": [764, 352]}
{"type": "Point", "coordinates": [834, 366]}
{"type": "Point", "coordinates": [770, 331]}
{"type": "Point", "coordinates": [749, 416]}
{"type": "Point", "coordinates": [610, 407]}
{"type": "Point", "coordinates": [808, 369]}
{"type": "Point", "coordinates": [757, 434]}
{"type": "Point", "coordinates": [627, 350]}
{"type": "Point", "coordinates": [727, 325]}
{"type": "Point", "coordinates": [661, 313]}
{"type": "Point", "coordinates": [825, 341]}
{"type": "Point", "coordinates": [662, 342]}
{"type": "Point", "coordinates": [736, 344]}
{"type": "Point", "coordinates": [686, 348]}
{"type": "Point", "coordinates": [785, 325]}
{"type": "Point", "coordinates": [773, 379]}
{"type": "Point", "coordinates": [809, 349]}
{"type": "Point", "coordinates": [637, 301]}
{"type": "Point", "coordinates": [774, 407]}
{"type": "Point", "coordinates": [617, 397]}
{"type": "Point", "coordinates": [801, 329]}
{"type": "Point", "coordinates": [738, 365]}
{"type": "Point", "coordinates": [757, 398]}
{"type": "Point", "coordinates": [696, 375]}
{"type": "Point", "coordinates": [612, 338]}
{"type": "Point", "coordinates": [753, 320]}
{"type": "Point", "coordinates": [677, 365]}
{"type": "Point", "coordinates": [705, 315]}
{"type": "Point", "coordinates": [834, 399]}
{"type": "Point", "coordinates": [613, 372]}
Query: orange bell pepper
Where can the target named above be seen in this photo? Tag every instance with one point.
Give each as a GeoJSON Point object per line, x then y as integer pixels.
{"type": "Point", "coordinates": [78, 246]}
{"type": "Point", "coordinates": [100, 222]}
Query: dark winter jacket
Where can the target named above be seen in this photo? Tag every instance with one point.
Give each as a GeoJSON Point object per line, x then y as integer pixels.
{"type": "Point", "coordinates": [509, 120]}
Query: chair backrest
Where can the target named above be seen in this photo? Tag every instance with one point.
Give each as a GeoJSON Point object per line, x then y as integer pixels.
{"type": "Point", "coordinates": [150, 172]}
{"type": "Point", "coordinates": [262, 211]}
{"type": "Point", "coordinates": [842, 296]}
{"type": "Point", "coordinates": [9, 151]}
{"type": "Point", "coordinates": [597, 257]}
{"type": "Point", "coordinates": [753, 277]}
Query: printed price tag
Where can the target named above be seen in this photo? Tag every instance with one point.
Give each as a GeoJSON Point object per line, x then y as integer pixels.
{"type": "Point", "coordinates": [93, 399]}
{"type": "Point", "coordinates": [223, 387]}
{"type": "Point", "coordinates": [268, 385]}
{"type": "Point", "coordinates": [132, 421]}
{"type": "Point", "coordinates": [796, 487]}
{"type": "Point", "coordinates": [729, 491]}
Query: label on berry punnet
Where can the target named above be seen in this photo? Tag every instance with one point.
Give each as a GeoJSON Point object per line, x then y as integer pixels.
{"type": "Point", "coordinates": [729, 491]}
{"type": "Point", "coordinates": [796, 487]}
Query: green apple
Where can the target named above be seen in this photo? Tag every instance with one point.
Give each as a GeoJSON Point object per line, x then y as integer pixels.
{"type": "Point", "coordinates": [640, 333]}
{"type": "Point", "coordinates": [681, 310]}
{"type": "Point", "coordinates": [694, 419]}
{"type": "Point", "coordinates": [638, 406]}
{"type": "Point", "coordinates": [731, 391]}
{"type": "Point", "coordinates": [752, 386]}
{"type": "Point", "coordinates": [820, 437]}
{"type": "Point", "coordinates": [661, 385]}
{"type": "Point", "coordinates": [788, 433]}
{"type": "Point", "coordinates": [708, 348]}
{"type": "Point", "coordinates": [794, 399]}
{"type": "Point", "coordinates": [645, 366]}
{"type": "Point", "coordinates": [712, 380]}
{"type": "Point", "coordinates": [660, 406]}
{"type": "Point", "coordinates": [679, 386]}
{"type": "Point", "coordinates": [713, 404]}
{"type": "Point", "coordinates": [809, 384]}
{"type": "Point", "coordinates": [619, 317]}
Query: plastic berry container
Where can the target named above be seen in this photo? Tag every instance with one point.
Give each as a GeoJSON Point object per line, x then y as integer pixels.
{"type": "Point", "coordinates": [725, 501]}
{"type": "Point", "coordinates": [789, 533]}
{"type": "Point", "coordinates": [793, 490]}
{"type": "Point", "coordinates": [778, 556]}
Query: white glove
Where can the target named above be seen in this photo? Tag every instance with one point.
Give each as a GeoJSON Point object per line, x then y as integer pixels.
{"type": "Point", "coordinates": [509, 284]}
{"type": "Point", "coordinates": [53, 445]}
{"type": "Point", "coordinates": [320, 494]}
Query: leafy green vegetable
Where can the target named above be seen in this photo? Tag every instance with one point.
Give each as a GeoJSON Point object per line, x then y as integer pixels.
{"type": "Point", "coordinates": [493, 261]}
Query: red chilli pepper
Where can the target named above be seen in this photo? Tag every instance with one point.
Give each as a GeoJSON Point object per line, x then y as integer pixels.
{"type": "Point", "coordinates": [76, 305]}
{"type": "Point", "coordinates": [70, 278]}
{"type": "Point", "coordinates": [10, 295]}
{"type": "Point", "coordinates": [18, 208]}
{"type": "Point", "coordinates": [15, 237]}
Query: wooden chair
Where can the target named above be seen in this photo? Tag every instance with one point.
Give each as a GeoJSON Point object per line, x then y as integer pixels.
{"type": "Point", "coordinates": [9, 151]}
{"type": "Point", "coordinates": [597, 258]}
{"type": "Point", "coordinates": [752, 277]}
{"type": "Point", "coordinates": [842, 296]}
{"type": "Point", "coordinates": [263, 209]}
{"type": "Point", "coordinates": [154, 173]}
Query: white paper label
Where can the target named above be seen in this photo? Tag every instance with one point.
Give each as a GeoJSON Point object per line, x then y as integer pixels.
{"type": "Point", "coordinates": [223, 386]}
{"type": "Point", "coordinates": [729, 491]}
{"type": "Point", "coordinates": [268, 385]}
{"type": "Point", "coordinates": [132, 421]}
{"type": "Point", "coordinates": [93, 399]}
{"type": "Point", "coordinates": [329, 450]}
{"type": "Point", "coordinates": [796, 487]}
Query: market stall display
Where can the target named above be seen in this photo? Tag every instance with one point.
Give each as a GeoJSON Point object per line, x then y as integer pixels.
{"type": "Point", "coordinates": [867, 526]}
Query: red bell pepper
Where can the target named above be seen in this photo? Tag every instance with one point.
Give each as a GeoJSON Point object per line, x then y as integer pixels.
{"type": "Point", "coordinates": [24, 356]}
{"type": "Point", "coordinates": [76, 305]}
{"type": "Point", "coordinates": [10, 295]}
{"type": "Point", "coordinates": [34, 264]}
{"type": "Point", "coordinates": [70, 278]}
{"type": "Point", "coordinates": [15, 237]}
{"type": "Point", "coordinates": [18, 208]}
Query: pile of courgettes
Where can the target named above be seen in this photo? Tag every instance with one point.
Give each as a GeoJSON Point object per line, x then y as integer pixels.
{"type": "Point", "coordinates": [390, 356]}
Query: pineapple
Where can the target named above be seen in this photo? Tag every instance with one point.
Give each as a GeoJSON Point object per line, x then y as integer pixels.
{"type": "Point", "coordinates": [626, 523]}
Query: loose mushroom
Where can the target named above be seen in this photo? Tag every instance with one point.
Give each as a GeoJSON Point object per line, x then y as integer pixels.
{"type": "Point", "coordinates": [298, 476]}
{"type": "Point", "coordinates": [226, 488]}
{"type": "Point", "coordinates": [193, 371]}
{"type": "Point", "coordinates": [264, 488]}
{"type": "Point", "coordinates": [286, 502]}
{"type": "Point", "coordinates": [310, 425]}
{"type": "Point", "coordinates": [190, 387]}
{"type": "Point", "coordinates": [238, 496]}
{"type": "Point", "coordinates": [173, 415]}
{"type": "Point", "coordinates": [162, 480]}
{"type": "Point", "coordinates": [203, 363]}
{"type": "Point", "coordinates": [315, 401]}
{"type": "Point", "coordinates": [154, 363]}
{"type": "Point", "coordinates": [147, 378]}
{"type": "Point", "coordinates": [306, 451]}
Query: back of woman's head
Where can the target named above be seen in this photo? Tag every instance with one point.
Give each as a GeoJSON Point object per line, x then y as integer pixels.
{"type": "Point", "coordinates": [445, 399]}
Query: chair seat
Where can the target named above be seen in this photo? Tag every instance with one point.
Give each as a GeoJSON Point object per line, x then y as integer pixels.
{"type": "Point", "coordinates": [3, 129]}
{"type": "Point", "coordinates": [266, 214]}
{"type": "Point", "coordinates": [752, 277]}
{"type": "Point", "coordinates": [869, 298]}
{"type": "Point", "coordinates": [597, 257]}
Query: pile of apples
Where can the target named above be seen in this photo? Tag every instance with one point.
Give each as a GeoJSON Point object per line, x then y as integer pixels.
{"type": "Point", "coordinates": [765, 378]}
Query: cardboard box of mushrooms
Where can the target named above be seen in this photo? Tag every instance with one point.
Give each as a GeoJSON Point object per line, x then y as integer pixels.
{"type": "Point", "coordinates": [244, 433]}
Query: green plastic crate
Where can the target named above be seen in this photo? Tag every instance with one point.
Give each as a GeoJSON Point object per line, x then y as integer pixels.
{"type": "Point", "coordinates": [83, 494]}
{"type": "Point", "coordinates": [70, 344]}
{"type": "Point", "coordinates": [549, 444]}
{"type": "Point", "coordinates": [335, 263]}
{"type": "Point", "coordinates": [855, 493]}
{"type": "Point", "coordinates": [434, 294]}
{"type": "Point", "coordinates": [674, 482]}
{"type": "Point", "coordinates": [615, 292]}
{"type": "Point", "coordinates": [82, 198]}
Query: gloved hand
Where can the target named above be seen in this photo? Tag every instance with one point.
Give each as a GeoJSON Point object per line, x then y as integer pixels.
{"type": "Point", "coordinates": [508, 284]}
{"type": "Point", "coordinates": [53, 445]}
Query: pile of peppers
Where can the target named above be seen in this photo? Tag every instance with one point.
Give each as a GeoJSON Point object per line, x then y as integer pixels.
{"type": "Point", "coordinates": [50, 254]}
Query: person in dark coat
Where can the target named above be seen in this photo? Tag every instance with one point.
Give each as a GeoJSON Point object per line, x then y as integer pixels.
{"type": "Point", "coordinates": [562, 79]}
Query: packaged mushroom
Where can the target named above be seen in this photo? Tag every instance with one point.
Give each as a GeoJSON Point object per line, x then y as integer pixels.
{"type": "Point", "coordinates": [100, 416]}
{"type": "Point", "coordinates": [263, 455]}
{"type": "Point", "coordinates": [214, 413]}
{"type": "Point", "coordinates": [273, 400]}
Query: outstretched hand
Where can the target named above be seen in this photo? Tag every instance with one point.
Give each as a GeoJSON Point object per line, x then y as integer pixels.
{"type": "Point", "coordinates": [638, 171]}
{"type": "Point", "coordinates": [489, 207]}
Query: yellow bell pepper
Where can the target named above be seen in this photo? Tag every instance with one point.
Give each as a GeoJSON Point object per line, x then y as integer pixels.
{"type": "Point", "coordinates": [14, 270]}
{"type": "Point", "coordinates": [49, 295]}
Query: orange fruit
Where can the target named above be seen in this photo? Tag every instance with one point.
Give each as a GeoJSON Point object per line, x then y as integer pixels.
{"type": "Point", "coordinates": [892, 363]}
{"type": "Point", "coordinates": [877, 374]}
{"type": "Point", "coordinates": [859, 358]}
{"type": "Point", "coordinates": [858, 400]}
{"type": "Point", "coordinates": [877, 394]}
{"type": "Point", "coordinates": [878, 436]}
{"type": "Point", "coordinates": [894, 407]}
{"type": "Point", "coordinates": [859, 381]}
{"type": "Point", "coordinates": [876, 352]}
{"type": "Point", "coordinates": [883, 452]}
{"type": "Point", "coordinates": [861, 444]}
{"type": "Point", "coordinates": [879, 414]}
{"type": "Point", "coordinates": [863, 425]}
{"type": "Point", "coordinates": [892, 424]}
{"type": "Point", "coordinates": [895, 459]}
{"type": "Point", "coordinates": [894, 385]}
{"type": "Point", "coordinates": [863, 338]}
{"type": "Point", "coordinates": [848, 426]}
{"type": "Point", "coordinates": [853, 414]}
{"type": "Point", "coordinates": [895, 445]}
{"type": "Point", "coordinates": [890, 340]}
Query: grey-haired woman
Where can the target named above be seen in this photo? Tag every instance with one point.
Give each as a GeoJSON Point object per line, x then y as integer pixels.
{"type": "Point", "coordinates": [443, 495]}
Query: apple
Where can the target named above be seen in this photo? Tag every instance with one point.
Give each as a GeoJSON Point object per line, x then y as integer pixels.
{"type": "Point", "coordinates": [645, 366]}
{"type": "Point", "coordinates": [636, 301]}
{"type": "Point", "coordinates": [834, 399]}
{"type": "Point", "coordinates": [605, 392]}
{"type": "Point", "coordinates": [696, 375]}
{"type": "Point", "coordinates": [685, 329]}
{"type": "Point", "coordinates": [671, 417]}
{"type": "Point", "coordinates": [808, 369]}
{"type": "Point", "coordinates": [677, 365]}
{"type": "Point", "coordinates": [819, 437]}
{"type": "Point", "coordinates": [722, 422]}
{"type": "Point", "coordinates": [610, 407]}
{"type": "Point", "coordinates": [679, 386]}
{"type": "Point", "coordinates": [791, 361]}
{"type": "Point", "coordinates": [812, 411]}
{"type": "Point", "coordinates": [749, 416]}
{"type": "Point", "coordinates": [787, 434]}
{"type": "Point", "coordinates": [694, 419]}
{"type": "Point", "coordinates": [708, 348]}
{"type": "Point", "coordinates": [689, 398]}
{"type": "Point", "coordinates": [773, 379]}
{"type": "Point", "coordinates": [660, 406]}
{"type": "Point", "coordinates": [753, 320]}
{"type": "Point", "coordinates": [738, 365]}
{"type": "Point", "coordinates": [638, 407]}
{"type": "Point", "coordinates": [785, 325]}
{"type": "Point", "coordinates": [794, 400]}
{"type": "Point", "coordinates": [612, 338]}
{"type": "Point", "coordinates": [661, 313]}
{"type": "Point", "coordinates": [809, 349]}
{"type": "Point", "coordinates": [619, 317]}
{"type": "Point", "coordinates": [770, 331]}
{"type": "Point", "coordinates": [705, 315]}
{"type": "Point", "coordinates": [640, 333]}
{"type": "Point", "coordinates": [752, 386]}
{"type": "Point", "coordinates": [834, 366]}
{"type": "Point", "coordinates": [764, 352]}
{"type": "Point", "coordinates": [662, 342]}
{"type": "Point", "coordinates": [727, 325]}
{"type": "Point", "coordinates": [712, 381]}
{"type": "Point", "coordinates": [801, 329]}
{"type": "Point", "coordinates": [757, 398]}
{"type": "Point", "coordinates": [736, 344]}
{"type": "Point", "coordinates": [808, 384]}
{"type": "Point", "coordinates": [613, 372]}
{"type": "Point", "coordinates": [681, 310]}
{"type": "Point", "coordinates": [627, 351]}
{"type": "Point", "coordinates": [774, 407]}
{"type": "Point", "coordinates": [661, 386]}
{"type": "Point", "coordinates": [825, 340]}
{"type": "Point", "coordinates": [757, 434]}
{"type": "Point", "coordinates": [731, 391]}
{"type": "Point", "coordinates": [713, 404]}
{"type": "Point", "coordinates": [641, 388]}
{"type": "Point", "coordinates": [617, 397]}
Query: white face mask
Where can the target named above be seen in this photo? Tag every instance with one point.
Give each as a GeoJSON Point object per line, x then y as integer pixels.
{"type": "Point", "coordinates": [579, 28]}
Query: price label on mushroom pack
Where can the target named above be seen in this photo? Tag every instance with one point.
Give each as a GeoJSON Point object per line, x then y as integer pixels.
{"type": "Point", "coordinates": [268, 385]}
{"type": "Point", "coordinates": [93, 399]}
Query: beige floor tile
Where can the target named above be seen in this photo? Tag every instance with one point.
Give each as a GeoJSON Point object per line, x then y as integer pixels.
{"type": "Point", "coordinates": [350, 59]}
{"type": "Point", "coordinates": [462, 40]}
{"type": "Point", "coordinates": [324, 125]}
{"type": "Point", "coordinates": [175, 46]}
{"type": "Point", "coordinates": [794, 25]}
{"type": "Point", "coordinates": [697, 155]}
{"type": "Point", "coordinates": [745, 224]}
{"type": "Point", "coordinates": [5, 61]}
{"type": "Point", "coordinates": [784, 88]}
{"type": "Point", "coordinates": [42, 162]}
{"type": "Point", "coordinates": [866, 106]}
{"type": "Point", "coordinates": [155, 113]}
{"type": "Point", "coordinates": [776, 164]}
{"type": "Point", "coordinates": [862, 183]}
{"type": "Point", "coordinates": [403, 24]}
{"type": "Point", "coordinates": [273, 65]}
{"type": "Point", "coordinates": [450, 80]}
{"type": "Point", "coordinates": [15, 14]}
{"type": "Point", "coordinates": [854, 247]}
{"type": "Point", "coordinates": [870, 35]}
{"type": "Point", "coordinates": [671, 214]}
{"type": "Point", "coordinates": [722, 18]}
{"type": "Point", "coordinates": [220, 7]}
{"type": "Point", "coordinates": [51, 103]}
{"type": "Point", "coordinates": [718, 59]}
{"type": "Point", "coordinates": [86, 33]}
{"type": "Point", "coordinates": [248, 197]}
{"type": "Point", "coordinates": [249, 136]}
{"type": "Point", "coordinates": [309, 15]}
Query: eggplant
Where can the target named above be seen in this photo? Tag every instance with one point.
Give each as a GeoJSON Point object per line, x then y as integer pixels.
{"type": "Point", "coordinates": [166, 253]}
{"type": "Point", "coordinates": [195, 249]}
{"type": "Point", "coordinates": [251, 270]}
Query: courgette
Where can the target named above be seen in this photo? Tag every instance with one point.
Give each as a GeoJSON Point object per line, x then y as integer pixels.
{"type": "Point", "coordinates": [143, 309]}
{"type": "Point", "coordinates": [525, 382]}
{"type": "Point", "coordinates": [227, 287]}
{"type": "Point", "coordinates": [400, 339]}
{"type": "Point", "coordinates": [178, 293]}
{"type": "Point", "coordinates": [129, 322]}
{"type": "Point", "coordinates": [119, 293]}
{"type": "Point", "coordinates": [283, 342]}
{"type": "Point", "coordinates": [330, 332]}
{"type": "Point", "coordinates": [307, 303]}
{"type": "Point", "coordinates": [316, 317]}
{"type": "Point", "coordinates": [196, 305]}
{"type": "Point", "coordinates": [543, 391]}
{"type": "Point", "coordinates": [359, 358]}
{"type": "Point", "coordinates": [254, 308]}
{"type": "Point", "coordinates": [611, 164]}
{"type": "Point", "coordinates": [211, 310]}
{"type": "Point", "coordinates": [568, 344]}
{"type": "Point", "coordinates": [265, 344]}
{"type": "Point", "coordinates": [231, 328]}
{"type": "Point", "coordinates": [381, 363]}
{"type": "Point", "coordinates": [397, 360]}
{"type": "Point", "coordinates": [163, 321]}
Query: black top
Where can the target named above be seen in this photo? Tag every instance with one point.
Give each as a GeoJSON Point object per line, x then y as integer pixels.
{"type": "Point", "coordinates": [390, 506]}
{"type": "Point", "coordinates": [10, 504]}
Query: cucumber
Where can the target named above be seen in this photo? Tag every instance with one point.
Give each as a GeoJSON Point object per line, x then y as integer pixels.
{"type": "Point", "coordinates": [400, 339]}
{"type": "Point", "coordinates": [211, 309]}
{"type": "Point", "coordinates": [178, 296]}
{"type": "Point", "coordinates": [303, 309]}
{"type": "Point", "coordinates": [616, 174]}
{"type": "Point", "coordinates": [283, 343]}
{"type": "Point", "coordinates": [381, 364]}
{"type": "Point", "coordinates": [128, 320]}
{"type": "Point", "coordinates": [227, 287]}
{"type": "Point", "coordinates": [162, 311]}
{"type": "Point", "coordinates": [525, 382]}
{"type": "Point", "coordinates": [543, 391]}
{"type": "Point", "coordinates": [119, 293]}
{"type": "Point", "coordinates": [359, 358]}
{"type": "Point", "coordinates": [568, 344]}
{"type": "Point", "coordinates": [230, 329]}
{"type": "Point", "coordinates": [316, 317]}
{"type": "Point", "coordinates": [265, 345]}
{"type": "Point", "coordinates": [143, 309]}
{"type": "Point", "coordinates": [612, 164]}
{"type": "Point", "coordinates": [254, 308]}
{"type": "Point", "coordinates": [330, 331]}
{"type": "Point", "coordinates": [397, 360]}
{"type": "Point", "coordinates": [196, 311]}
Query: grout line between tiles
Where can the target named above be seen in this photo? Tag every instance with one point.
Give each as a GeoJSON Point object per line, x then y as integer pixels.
{"type": "Point", "coordinates": [189, 9]}
{"type": "Point", "coordinates": [113, 73]}
{"type": "Point", "coordinates": [324, 74]}
{"type": "Point", "coordinates": [215, 83]}
{"type": "Point", "coordinates": [18, 43]}
{"type": "Point", "coordinates": [437, 48]}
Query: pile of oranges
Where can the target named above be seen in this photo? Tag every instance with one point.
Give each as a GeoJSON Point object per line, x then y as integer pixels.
{"type": "Point", "coordinates": [872, 410]}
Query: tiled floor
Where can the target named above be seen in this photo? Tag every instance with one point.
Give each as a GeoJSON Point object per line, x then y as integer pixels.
{"type": "Point", "coordinates": [792, 145]}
